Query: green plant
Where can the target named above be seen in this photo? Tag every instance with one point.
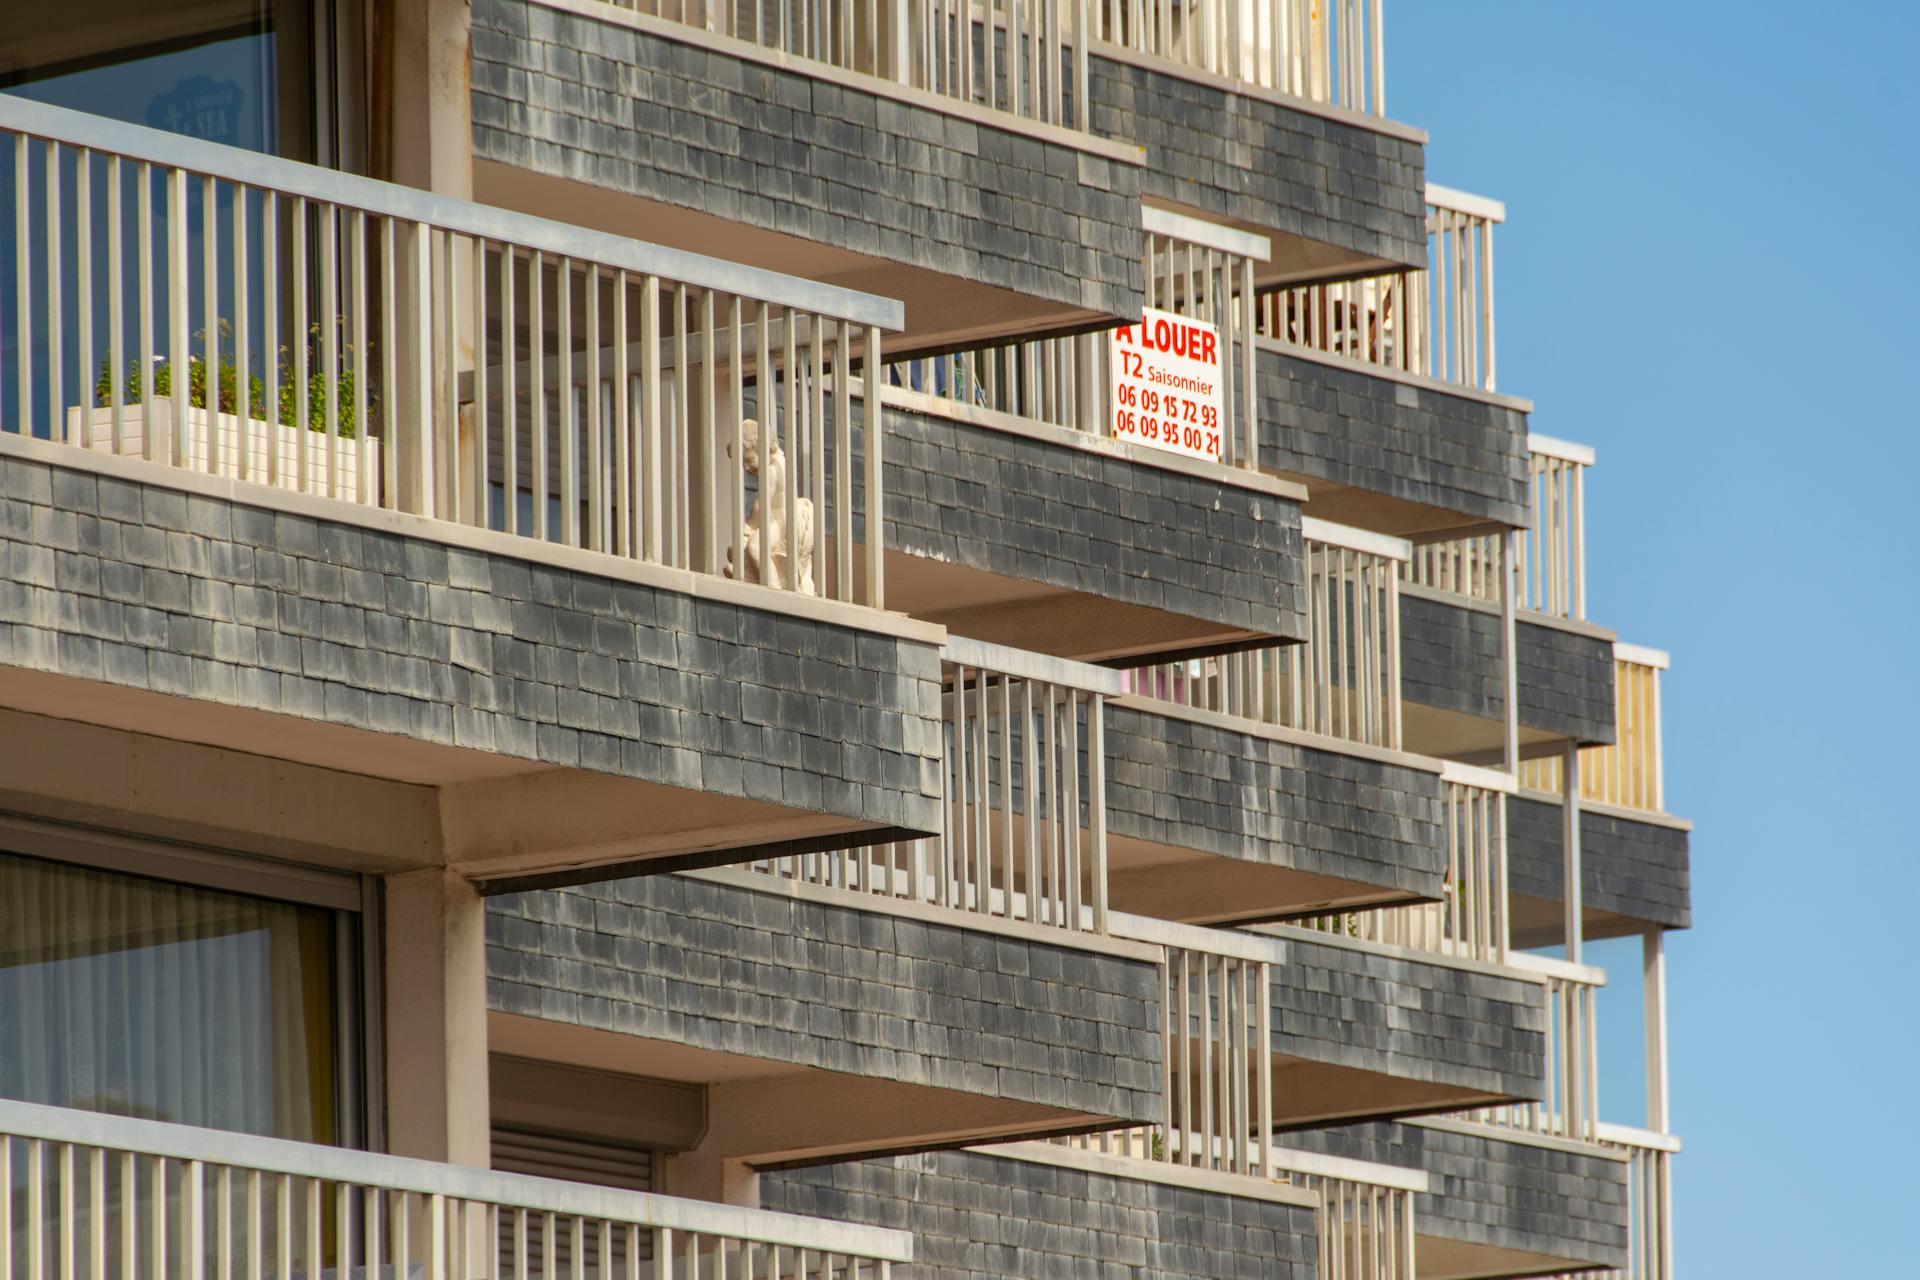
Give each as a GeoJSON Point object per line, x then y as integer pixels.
{"type": "Point", "coordinates": [227, 388]}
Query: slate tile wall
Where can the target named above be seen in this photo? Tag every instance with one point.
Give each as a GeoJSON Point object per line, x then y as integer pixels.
{"type": "Point", "coordinates": [979, 1215]}
{"type": "Point", "coordinates": [1084, 521]}
{"type": "Point", "coordinates": [1637, 869]}
{"type": "Point", "coordinates": [1248, 159]}
{"type": "Point", "coordinates": [824, 985]}
{"type": "Point", "coordinates": [1242, 795]}
{"type": "Point", "coordinates": [1409, 1018]}
{"type": "Point", "coordinates": [1495, 1191]}
{"type": "Point", "coordinates": [146, 587]}
{"type": "Point", "coordinates": [1450, 659]}
{"type": "Point", "coordinates": [1418, 444]}
{"type": "Point", "coordinates": [603, 103]}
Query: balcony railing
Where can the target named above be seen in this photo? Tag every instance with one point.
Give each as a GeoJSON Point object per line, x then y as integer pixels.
{"type": "Point", "coordinates": [1471, 921]}
{"type": "Point", "coordinates": [1550, 562]}
{"type": "Point", "coordinates": [1649, 1202]}
{"type": "Point", "coordinates": [1191, 268]}
{"type": "Point", "coordinates": [1570, 1106]}
{"type": "Point", "coordinates": [1023, 779]}
{"type": "Point", "coordinates": [1366, 1224]}
{"type": "Point", "coordinates": [1016, 56]}
{"type": "Point", "coordinates": [87, 1197]}
{"type": "Point", "coordinates": [1344, 682]}
{"type": "Point", "coordinates": [1626, 773]}
{"type": "Point", "coordinates": [1327, 51]}
{"type": "Point", "coordinates": [1436, 323]}
{"type": "Point", "coordinates": [243, 316]}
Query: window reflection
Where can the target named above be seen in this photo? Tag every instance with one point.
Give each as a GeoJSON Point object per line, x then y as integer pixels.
{"type": "Point", "coordinates": [138, 997]}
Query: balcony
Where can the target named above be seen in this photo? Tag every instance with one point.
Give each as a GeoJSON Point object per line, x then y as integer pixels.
{"type": "Point", "coordinates": [140, 1197]}
{"type": "Point", "coordinates": [1454, 596]}
{"type": "Point", "coordinates": [891, 998]}
{"type": "Point", "coordinates": [1281, 1027]}
{"type": "Point", "coordinates": [871, 146]}
{"type": "Point", "coordinates": [1499, 1202]}
{"type": "Point", "coordinates": [473, 587]}
{"type": "Point", "coordinates": [1017, 516]}
{"type": "Point", "coordinates": [1038, 1209]}
{"type": "Point", "coordinates": [1269, 783]}
{"type": "Point", "coordinates": [1633, 853]}
{"type": "Point", "coordinates": [1384, 388]}
{"type": "Point", "coordinates": [1270, 116]}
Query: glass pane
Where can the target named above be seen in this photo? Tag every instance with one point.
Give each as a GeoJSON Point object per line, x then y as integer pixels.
{"type": "Point", "coordinates": [139, 997]}
{"type": "Point", "coordinates": [236, 72]}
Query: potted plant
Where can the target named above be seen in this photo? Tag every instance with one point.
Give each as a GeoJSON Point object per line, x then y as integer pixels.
{"type": "Point", "coordinates": [219, 426]}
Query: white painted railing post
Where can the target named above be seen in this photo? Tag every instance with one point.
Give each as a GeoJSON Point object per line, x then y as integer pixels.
{"type": "Point", "coordinates": [1653, 996]}
{"type": "Point", "coordinates": [1570, 849]}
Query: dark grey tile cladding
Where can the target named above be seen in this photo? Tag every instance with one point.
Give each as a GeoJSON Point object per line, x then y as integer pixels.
{"type": "Point", "coordinates": [1380, 435]}
{"type": "Point", "coordinates": [1175, 782]}
{"type": "Point", "coordinates": [1248, 159]}
{"type": "Point", "coordinates": [602, 103]}
{"type": "Point", "coordinates": [1450, 659]}
{"type": "Point", "coordinates": [1414, 1019]}
{"type": "Point", "coordinates": [974, 1215]}
{"type": "Point", "coordinates": [1085, 521]}
{"type": "Point", "coordinates": [1497, 1191]}
{"type": "Point", "coordinates": [1566, 682]}
{"type": "Point", "coordinates": [1635, 869]}
{"type": "Point", "coordinates": [863, 992]}
{"type": "Point", "coordinates": [143, 586]}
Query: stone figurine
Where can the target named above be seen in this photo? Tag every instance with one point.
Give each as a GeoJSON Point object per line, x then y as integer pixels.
{"type": "Point", "coordinates": [770, 506]}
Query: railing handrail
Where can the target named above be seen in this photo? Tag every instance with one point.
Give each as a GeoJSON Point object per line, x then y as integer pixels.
{"type": "Point", "coordinates": [1024, 664]}
{"type": "Point", "coordinates": [426, 1177]}
{"type": "Point", "coordinates": [1642, 656]}
{"type": "Point", "coordinates": [1457, 201]}
{"type": "Point", "coordinates": [1553, 967]}
{"type": "Point", "coordinates": [464, 217]}
{"type": "Point", "coordinates": [1470, 775]}
{"type": "Point", "coordinates": [1206, 233]}
{"type": "Point", "coordinates": [1348, 538]}
{"type": "Point", "coordinates": [1626, 1135]}
{"type": "Point", "coordinates": [1565, 450]}
{"type": "Point", "coordinates": [1230, 943]}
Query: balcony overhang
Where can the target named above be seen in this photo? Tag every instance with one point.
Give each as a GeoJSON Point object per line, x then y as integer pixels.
{"type": "Point", "coordinates": [201, 659]}
{"type": "Point", "coordinates": [1233, 841]}
{"type": "Point", "coordinates": [1058, 541]}
{"type": "Point", "coordinates": [826, 1024]}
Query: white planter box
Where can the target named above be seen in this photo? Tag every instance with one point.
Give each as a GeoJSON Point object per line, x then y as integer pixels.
{"type": "Point", "coordinates": [226, 438]}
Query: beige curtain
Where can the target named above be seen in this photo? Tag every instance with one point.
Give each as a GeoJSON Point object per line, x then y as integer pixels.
{"type": "Point", "coordinates": [141, 997]}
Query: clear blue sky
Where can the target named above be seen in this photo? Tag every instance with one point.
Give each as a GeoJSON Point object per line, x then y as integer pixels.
{"type": "Point", "coordinates": [1709, 274]}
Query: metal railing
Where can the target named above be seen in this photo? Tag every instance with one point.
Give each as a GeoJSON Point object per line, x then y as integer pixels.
{"type": "Point", "coordinates": [1327, 51]}
{"type": "Point", "coordinates": [1550, 556]}
{"type": "Point", "coordinates": [1016, 56]}
{"type": "Point", "coordinates": [1649, 1201]}
{"type": "Point", "coordinates": [1436, 323]}
{"type": "Point", "coordinates": [1570, 1105]}
{"type": "Point", "coordinates": [1344, 682]}
{"type": "Point", "coordinates": [85, 1196]}
{"type": "Point", "coordinates": [1366, 1224]}
{"type": "Point", "coordinates": [236, 314]}
{"type": "Point", "coordinates": [1023, 780]}
{"type": "Point", "coordinates": [1471, 920]}
{"type": "Point", "coordinates": [1627, 773]}
{"type": "Point", "coordinates": [1192, 268]}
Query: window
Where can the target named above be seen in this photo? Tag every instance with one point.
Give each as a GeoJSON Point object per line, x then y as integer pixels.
{"type": "Point", "coordinates": [171, 1002]}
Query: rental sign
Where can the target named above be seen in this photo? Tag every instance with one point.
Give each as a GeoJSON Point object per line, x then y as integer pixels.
{"type": "Point", "coordinates": [1166, 384]}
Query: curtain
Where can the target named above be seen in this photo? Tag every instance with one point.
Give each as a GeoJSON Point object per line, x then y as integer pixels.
{"type": "Point", "coordinates": [140, 997]}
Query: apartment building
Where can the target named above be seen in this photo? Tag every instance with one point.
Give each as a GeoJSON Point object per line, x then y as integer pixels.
{"type": "Point", "coordinates": [822, 639]}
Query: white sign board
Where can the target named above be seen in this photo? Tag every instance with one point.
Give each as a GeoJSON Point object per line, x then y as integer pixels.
{"type": "Point", "coordinates": [1166, 385]}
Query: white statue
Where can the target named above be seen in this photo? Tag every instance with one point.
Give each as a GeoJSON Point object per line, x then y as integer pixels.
{"type": "Point", "coordinates": [770, 506]}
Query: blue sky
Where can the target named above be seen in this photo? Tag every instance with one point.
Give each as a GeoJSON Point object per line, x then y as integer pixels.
{"type": "Point", "coordinates": [1709, 274]}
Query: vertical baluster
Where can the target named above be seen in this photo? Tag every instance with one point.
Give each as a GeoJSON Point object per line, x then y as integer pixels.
{"type": "Point", "coordinates": [537, 389]}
